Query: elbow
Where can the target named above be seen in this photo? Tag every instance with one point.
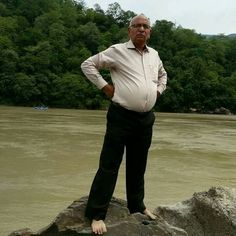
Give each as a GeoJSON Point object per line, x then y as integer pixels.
{"type": "Point", "coordinates": [87, 66]}
{"type": "Point", "coordinates": [83, 66]}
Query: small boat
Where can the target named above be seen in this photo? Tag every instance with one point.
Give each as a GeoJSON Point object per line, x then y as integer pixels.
{"type": "Point", "coordinates": [42, 108]}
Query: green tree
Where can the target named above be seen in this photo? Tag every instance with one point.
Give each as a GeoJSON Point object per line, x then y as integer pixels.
{"type": "Point", "coordinates": [24, 89]}
{"type": "Point", "coordinates": [43, 43]}
{"type": "Point", "coordinates": [73, 91]}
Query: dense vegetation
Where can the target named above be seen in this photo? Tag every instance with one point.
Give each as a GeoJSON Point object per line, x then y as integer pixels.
{"type": "Point", "coordinates": [42, 44]}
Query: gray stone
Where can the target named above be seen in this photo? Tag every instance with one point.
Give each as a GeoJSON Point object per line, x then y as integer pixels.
{"type": "Point", "coordinates": [211, 213]}
{"type": "Point", "coordinates": [222, 111]}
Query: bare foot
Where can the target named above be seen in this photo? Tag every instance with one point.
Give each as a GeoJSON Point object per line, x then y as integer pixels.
{"type": "Point", "coordinates": [150, 214]}
{"type": "Point", "coordinates": [98, 227]}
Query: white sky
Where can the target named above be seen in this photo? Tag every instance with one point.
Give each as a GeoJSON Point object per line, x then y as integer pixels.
{"type": "Point", "coordinates": [204, 16]}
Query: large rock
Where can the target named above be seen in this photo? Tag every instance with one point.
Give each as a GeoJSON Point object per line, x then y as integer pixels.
{"type": "Point", "coordinates": [119, 222]}
{"type": "Point", "coordinates": [222, 111]}
{"type": "Point", "coordinates": [211, 213]}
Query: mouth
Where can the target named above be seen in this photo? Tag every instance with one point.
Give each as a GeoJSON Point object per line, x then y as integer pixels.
{"type": "Point", "coordinates": [140, 36]}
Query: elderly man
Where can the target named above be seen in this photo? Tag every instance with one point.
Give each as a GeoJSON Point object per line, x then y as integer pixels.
{"type": "Point", "coordinates": [138, 79]}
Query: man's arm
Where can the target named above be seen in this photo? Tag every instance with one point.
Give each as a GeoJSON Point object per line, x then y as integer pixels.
{"type": "Point", "coordinates": [162, 79]}
{"type": "Point", "coordinates": [108, 90]}
{"type": "Point", "coordinates": [91, 66]}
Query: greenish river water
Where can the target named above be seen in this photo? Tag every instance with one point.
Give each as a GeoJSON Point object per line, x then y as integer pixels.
{"type": "Point", "coordinates": [49, 158]}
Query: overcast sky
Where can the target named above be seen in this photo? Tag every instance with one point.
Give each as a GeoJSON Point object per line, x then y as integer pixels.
{"type": "Point", "coordinates": [204, 16]}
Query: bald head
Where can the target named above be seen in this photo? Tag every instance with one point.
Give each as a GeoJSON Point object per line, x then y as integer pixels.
{"type": "Point", "coordinates": [139, 31]}
{"type": "Point", "coordinates": [137, 17]}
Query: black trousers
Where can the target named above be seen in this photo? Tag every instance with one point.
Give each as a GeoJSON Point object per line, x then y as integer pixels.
{"type": "Point", "coordinates": [130, 131]}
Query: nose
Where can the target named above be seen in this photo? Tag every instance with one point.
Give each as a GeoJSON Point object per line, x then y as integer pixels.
{"type": "Point", "coordinates": [141, 28]}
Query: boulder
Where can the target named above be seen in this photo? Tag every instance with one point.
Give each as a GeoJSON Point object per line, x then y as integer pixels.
{"type": "Point", "coordinates": [222, 111]}
{"type": "Point", "coordinates": [211, 213]}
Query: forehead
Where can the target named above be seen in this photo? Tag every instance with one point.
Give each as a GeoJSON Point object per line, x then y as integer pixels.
{"type": "Point", "coordinates": [140, 19]}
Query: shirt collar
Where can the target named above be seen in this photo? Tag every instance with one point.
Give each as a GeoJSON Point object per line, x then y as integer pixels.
{"type": "Point", "coordinates": [130, 45]}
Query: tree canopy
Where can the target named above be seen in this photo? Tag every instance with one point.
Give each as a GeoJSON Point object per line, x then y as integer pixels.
{"type": "Point", "coordinates": [43, 43]}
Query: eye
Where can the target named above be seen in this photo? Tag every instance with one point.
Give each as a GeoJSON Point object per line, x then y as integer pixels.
{"type": "Point", "coordinates": [145, 26]}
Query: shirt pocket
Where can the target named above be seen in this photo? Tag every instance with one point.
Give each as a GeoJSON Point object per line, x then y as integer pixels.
{"type": "Point", "coordinates": [153, 70]}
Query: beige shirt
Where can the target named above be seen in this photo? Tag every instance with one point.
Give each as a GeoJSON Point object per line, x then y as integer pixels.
{"type": "Point", "coordinates": [136, 76]}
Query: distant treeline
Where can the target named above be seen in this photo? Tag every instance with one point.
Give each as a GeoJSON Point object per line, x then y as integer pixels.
{"type": "Point", "coordinates": [43, 42]}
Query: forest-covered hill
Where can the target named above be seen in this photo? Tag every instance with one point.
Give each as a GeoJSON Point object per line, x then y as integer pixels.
{"type": "Point", "coordinates": [42, 44]}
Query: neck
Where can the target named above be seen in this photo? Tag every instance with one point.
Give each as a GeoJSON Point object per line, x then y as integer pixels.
{"type": "Point", "coordinates": [140, 47]}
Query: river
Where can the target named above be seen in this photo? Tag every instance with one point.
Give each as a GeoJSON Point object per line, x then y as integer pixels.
{"type": "Point", "coordinates": [48, 159]}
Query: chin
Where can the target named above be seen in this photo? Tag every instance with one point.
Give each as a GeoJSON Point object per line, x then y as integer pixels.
{"type": "Point", "coordinates": [140, 40]}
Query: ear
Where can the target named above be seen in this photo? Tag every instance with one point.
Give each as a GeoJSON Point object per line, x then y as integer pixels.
{"type": "Point", "coordinates": [129, 29]}
{"type": "Point", "coordinates": [149, 34]}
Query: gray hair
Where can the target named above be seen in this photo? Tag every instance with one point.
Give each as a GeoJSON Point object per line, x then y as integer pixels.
{"type": "Point", "coordinates": [137, 16]}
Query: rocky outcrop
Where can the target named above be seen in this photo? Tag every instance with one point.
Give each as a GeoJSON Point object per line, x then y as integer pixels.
{"type": "Point", "coordinates": [222, 111]}
{"type": "Point", "coordinates": [211, 213]}
{"type": "Point", "coordinates": [218, 111]}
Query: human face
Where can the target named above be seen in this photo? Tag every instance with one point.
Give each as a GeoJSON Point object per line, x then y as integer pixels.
{"type": "Point", "coordinates": [139, 31]}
